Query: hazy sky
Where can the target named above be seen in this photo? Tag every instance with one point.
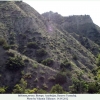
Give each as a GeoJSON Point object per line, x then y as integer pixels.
{"type": "Point", "coordinates": [69, 7]}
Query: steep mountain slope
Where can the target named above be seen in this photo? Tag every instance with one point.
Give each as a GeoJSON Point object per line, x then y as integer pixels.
{"type": "Point", "coordinates": [38, 53]}
{"type": "Point", "coordinates": [81, 25]}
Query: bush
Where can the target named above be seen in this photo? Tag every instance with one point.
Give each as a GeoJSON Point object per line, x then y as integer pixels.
{"type": "Point", "coordinates": [44, 86]}
{"type": "Point", "coordinates": [41, 91]}
{"type": "Point", "coordinates": [31, 91]}
{"type": "Point", "coordinates": [32, 45]}
{"type": "Point", "coordinates": [65, 64]}
{"type": "Point", "coordinates": [47, 62]}
{"type": "Point", "coordinates": [51, 79]}
{"type": "Point", "coordinates": [75, 57]}
{"type": "Point", "coordinates": [21, 87]}
{"type": "Point", "coordinates": [6, 46]}
{"type": "Point", "coordinates": [92, 88]}
{"type": "Point", "coordinates": [79, 86]}
{"type": "Point", "coordinates": [41, 52]}
{"type": "Point", "coordinates": [2, 41]}
{"type": "Point", "coordinates": [15, 63]}
{"type": "Point", "coordinates": [57, 89]}
{"type": "Point", "coordinates": [98, 60]}
{"type": "Point", "coordinates": [2, 89]}
{"type": "Point", "coordinates": [60, 78]}
{"type": "Point", "coordinates": [13, 46]}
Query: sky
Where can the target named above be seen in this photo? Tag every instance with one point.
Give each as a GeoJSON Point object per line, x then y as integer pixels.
{"type": "Point", "coordinates": [69, 7]}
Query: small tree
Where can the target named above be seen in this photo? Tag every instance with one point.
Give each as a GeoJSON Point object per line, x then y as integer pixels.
{"type": "Point", "coordinates": [20, 88]}
{"type": "Point", "coordinates": [79, 86]}
{"type": "Point", "coordinates": [57, 89]}
{"type": "Point", "coordinates": [93, 87]}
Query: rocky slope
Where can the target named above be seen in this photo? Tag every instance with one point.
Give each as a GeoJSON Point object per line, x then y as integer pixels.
{"type": "Point", "coordinates": [39, 52]}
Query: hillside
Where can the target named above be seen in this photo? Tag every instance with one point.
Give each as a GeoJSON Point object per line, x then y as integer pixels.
{"type": "Point", "coordinates": [38, 52]}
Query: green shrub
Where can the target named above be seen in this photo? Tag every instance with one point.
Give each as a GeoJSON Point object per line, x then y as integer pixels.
{"type": "Point", "coordinates": [60, 78]}
{"type": "Point", "coordinates": [65, 64]}
{"type": "Point", "coordinates": [79, 86]}
{"type": "Point", "coordinates": [98, 60]}
{"type": "Point", "coordinates": [57, 89]}
{"type": "Point", "coordinates": [36, 80]}
{"type": "Point", "coordinates": [15, 63]}
{"type": "Point", "coordinates": [21, 87]}
{"type": "Point", "coordinates": [41, 91]}
{"type": "Point", "coordinates": [31, 91]}
{"type": "Point", "coordinates": [42, 72]}
{"type": "Point", "coordinates": [13, 46]}
{"type": "Point", "coordinates": [2, 89]}
{"type": "Point", "coordinates": [75, 57]}
{"type": "Point", "coordinates": [41, 52]}
{"type": "Point", "coordinates": [44, 86]}
{"type": "Point", "coordinates": [28, 76]}
{"type": "Point", "coordinates": [51, 79]}
{"type": "Point", "coordinates": [35, 65]}
{"type": "Point", "coordinates": [6, 46]}
{"type": "Point", "coordinates": [47, 62]}
{"type": "Point", "coordinates": [2, 41]}
{"type": "Point", "coordinates": [32, 45]}
{"type": "Point", "coordinates": [92, 87]}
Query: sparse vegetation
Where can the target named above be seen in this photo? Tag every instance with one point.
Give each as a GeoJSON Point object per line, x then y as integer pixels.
{"type": "Point", "coordinates": [33, 59]}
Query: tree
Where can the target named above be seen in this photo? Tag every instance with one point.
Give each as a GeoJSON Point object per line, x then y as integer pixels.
{"type": "Point", "coordinates": [79, 86]}
{"type": "Point", "coordinates": [20, 88]}
{"type": "Point", "coordinates": [93, 87]}
{"type": "Point", "coordinates": [57, 89]}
